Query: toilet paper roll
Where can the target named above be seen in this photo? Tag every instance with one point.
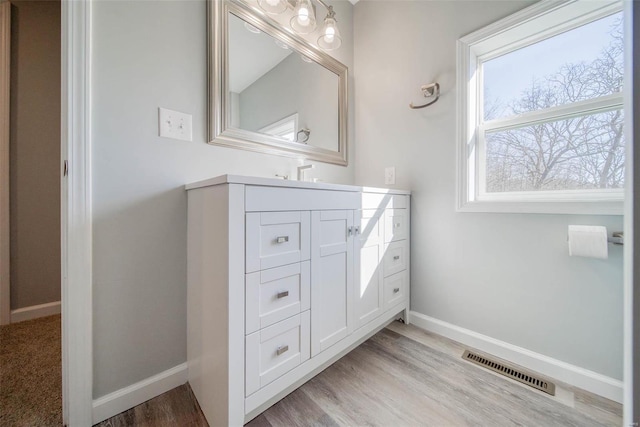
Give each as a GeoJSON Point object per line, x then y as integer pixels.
{"type": "Point", "coordinates": [588, 241]}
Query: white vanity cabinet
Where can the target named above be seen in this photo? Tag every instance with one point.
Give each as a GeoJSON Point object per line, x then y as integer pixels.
{"type": "Point", "coordinates": [284, 278]}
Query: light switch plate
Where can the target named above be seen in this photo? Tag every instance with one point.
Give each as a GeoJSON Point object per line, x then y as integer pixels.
{"type": "Point", "coordinates": [174, 124]}
{"type": "Point", "coordinates": [390, 175]}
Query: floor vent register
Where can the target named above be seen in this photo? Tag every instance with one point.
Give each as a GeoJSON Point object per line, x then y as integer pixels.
{"type": "Point", "coordinates": [512, 372]}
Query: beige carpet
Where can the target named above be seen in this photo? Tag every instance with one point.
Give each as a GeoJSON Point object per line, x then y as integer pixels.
{"type": "Point", "coordinates": [30, 373]}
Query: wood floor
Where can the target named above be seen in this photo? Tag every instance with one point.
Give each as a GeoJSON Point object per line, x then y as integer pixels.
{"type": "Point", "coordinates": [402, 376]}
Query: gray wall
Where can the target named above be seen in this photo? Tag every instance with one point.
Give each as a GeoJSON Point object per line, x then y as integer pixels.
{"type": "Point", "coordinates": [294, 86]}
{"type": "Point", "coordinates": [507, 276]}
{"type": "Point", "coordinates": [35, 153]}
{"type": "Point", "coordinates": [146, 55]}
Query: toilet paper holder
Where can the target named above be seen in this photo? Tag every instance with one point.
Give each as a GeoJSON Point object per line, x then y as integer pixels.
{"type": "Point", "coordinates": [617, 238]}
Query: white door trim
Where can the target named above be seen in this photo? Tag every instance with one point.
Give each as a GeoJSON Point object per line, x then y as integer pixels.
{"type": "Point", "coordinates": [77, 358]}
{"type": "Point", "coordinates": [5, 85]}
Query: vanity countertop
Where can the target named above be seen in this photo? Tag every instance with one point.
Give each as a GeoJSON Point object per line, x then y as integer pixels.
{"type": "Point", "coordinates": [275, 182]}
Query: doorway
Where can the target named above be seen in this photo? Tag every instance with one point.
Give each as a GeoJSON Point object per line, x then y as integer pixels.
{"type": "Point", "coordinates": [30, 301]}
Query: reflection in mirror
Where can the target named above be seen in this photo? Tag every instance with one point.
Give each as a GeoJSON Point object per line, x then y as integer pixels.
{"type": "Point", "coordinates": [277, 91]}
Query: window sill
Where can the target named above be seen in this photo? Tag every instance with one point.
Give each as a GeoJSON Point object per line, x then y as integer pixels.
{"type": "Point", "coordinates": [575, 207]}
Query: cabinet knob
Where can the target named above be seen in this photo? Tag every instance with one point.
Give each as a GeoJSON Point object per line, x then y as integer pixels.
{"type": "Point", "coordinates": [397, 225]}
{"type": "Point", "coordinates": [282, 239]}
{"type": "Point", "coordinates": [282, 349]}
{"type": "Point", "coordinates": [396, 290]}
{"type": "Point", "coordinates": [283, 294]}
{"type": "Point", "coordinates": [397, 257]}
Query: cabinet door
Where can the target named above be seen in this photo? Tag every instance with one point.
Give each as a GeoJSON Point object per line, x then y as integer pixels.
{"type": "Point", "coordinates": [331, 278]}
{"type": "Point", "coordinates": [369, 247]}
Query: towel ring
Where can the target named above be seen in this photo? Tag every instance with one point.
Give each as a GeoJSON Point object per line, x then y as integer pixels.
{"type": "Point", "coordinates": [428, 91]}
{"type": "Point", "coordinates": [306, 133]}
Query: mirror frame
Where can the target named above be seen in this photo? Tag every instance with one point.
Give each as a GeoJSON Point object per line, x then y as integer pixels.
{"type": "Point", "coordinates": [219, 114]}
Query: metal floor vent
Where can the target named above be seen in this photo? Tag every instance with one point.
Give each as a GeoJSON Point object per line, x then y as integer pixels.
{"type": "Point", "coordinates": [508, 371]}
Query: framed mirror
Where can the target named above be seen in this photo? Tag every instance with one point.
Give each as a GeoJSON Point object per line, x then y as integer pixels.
{"type": "Point", "coordinates": [270, 90]}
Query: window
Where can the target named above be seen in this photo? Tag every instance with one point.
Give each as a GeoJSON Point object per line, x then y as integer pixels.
{"type": "Point", "coordinates": [285, 128]}
{"type": "Point", "coordinates": [540, 110]}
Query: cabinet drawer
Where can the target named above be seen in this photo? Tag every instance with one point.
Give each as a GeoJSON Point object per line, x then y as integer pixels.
{"type": "Point", "coordinates": [395, 258]}
{"type": "Point", "coordinates": [274, 351]}
{"type": "Point", "coordinates": [275, 294]}
{"type": "Point", "coordinates": [395, 289]}
{"type": "Point", "coordinates": [384, 201]}
{"type": "Point", "coordinates": [396, 225]}
{"type": "Point", "coordinates": [277, 199]}
{"type": "Point", "coordinates": [276, 238]}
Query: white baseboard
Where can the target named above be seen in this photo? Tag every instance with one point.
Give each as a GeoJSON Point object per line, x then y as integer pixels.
{"type": "Point", "coordinates": [585, 379]}
{"type": "Point", "coordinates": [135, 394]}
{"type": "Point", "coordinates": [35, 311]}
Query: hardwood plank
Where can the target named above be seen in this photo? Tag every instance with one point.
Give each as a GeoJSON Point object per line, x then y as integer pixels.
{"type": "Point", "coordinates": [474, 394]}
{"type": "Point", "coordinates": [259, 421]}
{"type": "Point", "coordinates": [402, 376]}
{"type": "Point", "coordinates": [177, 407]}
{"type": "Point", "coordinates": [391, 379]}
{"type": "Point", "coordinates": [573, 397]}
{"type": "Point", "coordinates": [298, 409]}
{"type": "Point", "coordinates": [598, 407]}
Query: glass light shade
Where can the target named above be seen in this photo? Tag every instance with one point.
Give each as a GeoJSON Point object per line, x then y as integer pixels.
{"type": "Point", "coordinates": [304, 18]}
{"type": "Point", "coordinates": [251, 28]}
{"type": "Point", "coordinates": [274, 7]}
{"type": "Point", "coordinates": [329, 35]}
{"type": "Point", "coordinates": [281, 44]}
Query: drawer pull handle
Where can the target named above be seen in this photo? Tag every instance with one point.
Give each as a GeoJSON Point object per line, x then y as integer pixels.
{"type": "Point", "coordinates": [397, 257]}
{"type": "Point", "coordinates": [282, 239]}
{"type": "Point", "coordinates": [282, 349]}
{"type": "Point", "coordinates": [396, 290]}
{"type": "Point", "coordinates": [283, 294]}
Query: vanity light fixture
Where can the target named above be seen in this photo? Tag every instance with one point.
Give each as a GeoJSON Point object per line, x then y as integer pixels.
{"type": "Point", "coordinates": [303, 20]}
{"type": "Point", "coordinates": [329, 35]}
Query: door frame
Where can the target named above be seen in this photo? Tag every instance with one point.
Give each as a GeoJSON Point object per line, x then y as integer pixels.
{"type": "Point", "coordinates": [76, 226]}
{"type": "Point", "coordinates": [76, 283]}
{"type": "Point", "coordinates": [5, 101]}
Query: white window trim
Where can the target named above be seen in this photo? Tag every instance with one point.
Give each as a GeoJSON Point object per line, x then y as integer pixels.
{"type": "Point", "coordinates": [281, 127]}
{"type": "Point", "coordinates": [510, 33]}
